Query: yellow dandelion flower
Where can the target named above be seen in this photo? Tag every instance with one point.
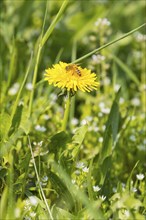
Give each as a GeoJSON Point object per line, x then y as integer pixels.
{"type": "Point", "coordinates": [71, 77]}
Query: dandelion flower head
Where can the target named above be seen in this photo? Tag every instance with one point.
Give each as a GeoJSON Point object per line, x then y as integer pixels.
{"type": "Point", "coordinates": [71, 77]}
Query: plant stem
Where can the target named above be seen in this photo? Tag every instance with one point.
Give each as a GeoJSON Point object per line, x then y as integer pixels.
{"type": "Point", "coordinates": [108, 44]}
{"type": "Point", "coordinates": [39, 183]}
{"type": "Point", "coordinates": [66, 114]}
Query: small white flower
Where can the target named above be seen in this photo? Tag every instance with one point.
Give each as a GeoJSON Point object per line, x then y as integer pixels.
{"type": "Point", "coordinates": [102, 197]}
{"type": "Point", "coordinates": [45, 179]}
{"type": "Point", "coordinates": [80, 165]}
{"type": "Point", "coordinates": [98, 58]}
{"type": "Point", "coordinates": [102, 22]}
{"type": "Point", "coordinates": [140, 176]}
{"type": "Point", "coordinates": [96, 129]}
{"type": "Point", "coordinates": [144, 86]}
{"type": "Point", "coordinates": [46, 117]}
{"type": "Point", "coordinates": [40, 143]}
{"type": "Point", "coordinates": [107, 81]}
{"type": "Point", "coordinates": [121, 100]}
{"type": "Point", "coordinates": [33, 200]}
{"type": "Point", "coordinates": [134, 189]}
{"type": "Point", "coordinates": [27, 217]}
{"type": "Point", "coordinates": [100, 139]}
{"type": "Point", "coordinates": [89, 118]}
{"type": "Point", "coordinates": [53, 97]}
{"type": "Point", "coordinates": [96, 188]}
{"type": "Point", "coordinates": [140, 37]}
{"type": "Point", "coordinates": [135, 101]}
{"type": "Point", "coordinates": [73, 181]}
{"type": "Point", "coordinates": [85, 170]}
{"type": "Point", "coordinates": [141, 147]}
{"type": "Point", "coordinates": [83, 122]}
{"type": "Point", "coordinates": [102, 105]}
{"type": "Point", "coordinates": [105, 110]}
{"type": "Point", "coordinates": [74, 121]}
{"type": "Point", "coordinates": [116, 87]}
{"type": "Point", "coordinates": [126, 213]}
{"type": "Point", "coordinates": [29, 86]}
{"type": "Point", "coordinates": [132, 138]}
{"type": "Point", "coordinates": [77, 172]}
{"type": "Point", "coordinates": [100, 114]}
{"type": "Point", "coordinates": [40, 128]}
{"type": "Point", "coordinates": [103, 127]}
{"type": "Point", "coordinates": [32, 214]}
{"type": "Point", "coordinates": [17, 212]}
{"type": "Point", "coordinates": [14, 89]}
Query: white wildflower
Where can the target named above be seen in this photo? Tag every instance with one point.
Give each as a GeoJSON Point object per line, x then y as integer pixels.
{"type": "Point", "coordinates": [40, 128]}
{"type": "Point", "coordinates": [74, 121]}
{"type": "Point", "coordinates": [135, 101]}
{"type": "Point", "coordinates": [80, 165]}
{"type": "Point", "coordinates": [29, 86]}
{"type": "Point", "coordinates": [85, 170]}
{"type": "Point", "coordinates": [33, 200]}
{"type": "Point", "coordinates": [14, 89]}
{"type": "Point", "coordinates": [102, 197]}
{"type": "Point", "coordinates": [140, 176]}
{"type": "Point", "coordinates": [96, 188]}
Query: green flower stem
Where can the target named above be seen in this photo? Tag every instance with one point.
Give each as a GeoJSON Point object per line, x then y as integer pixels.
{"type": "Point", "coordinates": [108, 44]}
{"type": "Point", "coordinates": [67, 110]}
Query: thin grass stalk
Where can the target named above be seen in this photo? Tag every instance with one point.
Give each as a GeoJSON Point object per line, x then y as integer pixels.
{"type": "Point", "coordinates": [43, 40]}
{"type": "Point", "coordinates": [21, 88]}
{"type": "Point", "coordinates": [79, 195]}
{"type": "Point", "coordinates": [67, 110]}
{"type": "Point", "coordinates": [53, 24]}
{"type": "Point", "coordinates": [108, 44]}
{"type": "Point", "coordinates": [74, 54]}
{"type": "Point", "coordinates": [38, 179]}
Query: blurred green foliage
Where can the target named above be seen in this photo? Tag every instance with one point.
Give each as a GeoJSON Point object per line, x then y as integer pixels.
{"type": "Point", "coordinates": [96, 169]}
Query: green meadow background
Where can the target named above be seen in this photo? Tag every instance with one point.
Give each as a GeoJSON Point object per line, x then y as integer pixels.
{"type": "Point", "coordinates": [95, 170]}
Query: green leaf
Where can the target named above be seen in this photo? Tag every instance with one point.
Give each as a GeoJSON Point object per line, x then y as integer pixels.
{"type": "Point", "coordinates": [7, 145]}
{"type": "Point", "coordinates": [111, 130]}
{"type": "Point", "coordinates": [110, 135]}
{"type": "Point", "coordinates": [16, 119]}
{"type": "Point", "coordinates": [5, 122]}
{"type": "Point", "coordinates": [59, 140]}
{"type": "Point", "coordinates": [126, 69]}
{"type": "Point", "coordinates": [80, 135]}
{"type": "Point", "coordinates": [61, 189]}
{"type": "Point", "coordinates": [78, 139]}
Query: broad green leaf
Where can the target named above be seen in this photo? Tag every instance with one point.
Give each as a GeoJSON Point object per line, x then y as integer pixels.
{"type": "Point", "coordinates": [111, 130]}
{"type": "Point", "coordinates": [58, 141]}
{"type": "Point", "coordinates": [16, 119]}
{"type": "Point", "coordinates": [4, 203]}
{"type": "Point", "coordinates": [8, 144]}
{"type": "Point", "coordinates": [60, 213]}
{"type": "Point", "coordinates": [78, 139]}
{"type": "Point", "coordinates": [61, 189]}
{"type": "Point", "coordinates": [110, 134]}
{"type": "Point", "coordinates": [5, 123]}
{"type": "Point", "coordinates": [80, 135]}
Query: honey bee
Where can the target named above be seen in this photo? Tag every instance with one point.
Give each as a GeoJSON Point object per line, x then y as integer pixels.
{"type": "Point", "coordinates": [74, 68]}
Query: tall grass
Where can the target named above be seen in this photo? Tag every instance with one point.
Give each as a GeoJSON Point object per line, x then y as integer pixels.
{"type": "Point", "coordinates": [80, 158]}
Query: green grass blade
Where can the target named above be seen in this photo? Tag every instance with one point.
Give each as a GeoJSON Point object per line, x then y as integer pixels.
{"type": "Point", "coordinates": [21, 88]}
{"type": "Point", "coordinates": [38, 179]}
{"type": "Point", "coordinates": [53, 24]}
{"type": "Point", "coordinates": [126, 69]}
{"type": "Point", "coordinates": [91, 207]}
{"type": "Point", "coordinates": [108, 44]}
{"type": "Point", "coordinates": [42, 41]}
{"type": "Point", "coordinates": [110, 135]}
